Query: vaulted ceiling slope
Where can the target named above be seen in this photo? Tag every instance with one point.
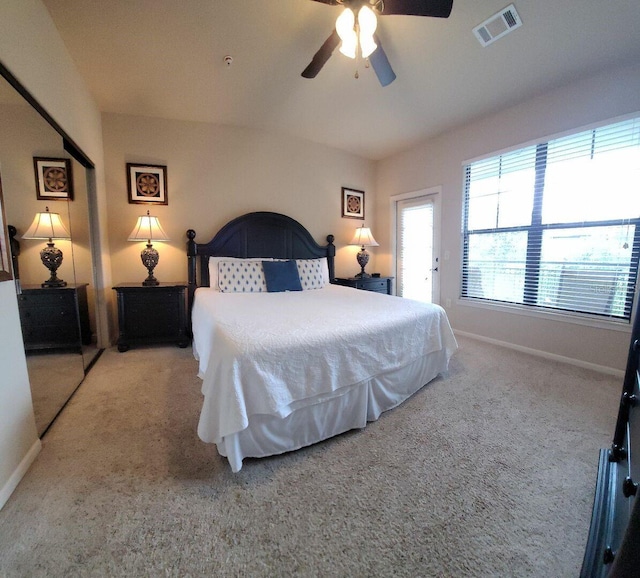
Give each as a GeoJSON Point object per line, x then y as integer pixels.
{"type": "Point", "coordinates": [164, 58]}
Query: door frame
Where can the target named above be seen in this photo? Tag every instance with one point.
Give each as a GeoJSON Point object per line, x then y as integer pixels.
{"type": "Point", "coordinates": [435, 195]}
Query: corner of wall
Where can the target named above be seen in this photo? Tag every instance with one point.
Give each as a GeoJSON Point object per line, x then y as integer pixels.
{"type": "Point", "coordinates": [14, 479]}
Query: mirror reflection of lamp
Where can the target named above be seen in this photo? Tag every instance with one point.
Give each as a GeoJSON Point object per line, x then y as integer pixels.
{"type": "Point", "coordinates": [148, 229]}
{"type": "Point", "coordinates": [364, 238]}
{"type": "Point", "coordinates": [49, 226]}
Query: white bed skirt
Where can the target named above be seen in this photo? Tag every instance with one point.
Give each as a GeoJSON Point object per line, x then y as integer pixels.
{"type": "Point", "coordinates": [351, 408]}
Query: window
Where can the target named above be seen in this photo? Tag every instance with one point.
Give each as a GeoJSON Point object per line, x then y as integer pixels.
{"type": "Point", "coordinates": [556, 225]}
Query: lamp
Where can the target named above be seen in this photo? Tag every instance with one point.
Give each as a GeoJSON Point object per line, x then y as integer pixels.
{"type": "Point", "coordinates": [345, 28]}
{"type": "Point", "coordinates": [364, 238]}
{"type": "Point", "coordinates": [367, 23]}
{"type": "Point", "coordinates": [350, 32]}
{"type": "Point", "coordinates": [49, 226]}
{"type": "Point", "coordinates": [148, 229]}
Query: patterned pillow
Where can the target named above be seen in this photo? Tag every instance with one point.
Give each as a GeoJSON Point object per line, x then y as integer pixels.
{"type": "Point", "coordinates": [241, 277]}
{"type": "Point", "coordinates": [311, 273]}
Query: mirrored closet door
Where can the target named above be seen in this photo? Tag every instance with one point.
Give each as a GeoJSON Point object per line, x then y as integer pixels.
{"type": "Point", "coordinates": [46, 205]}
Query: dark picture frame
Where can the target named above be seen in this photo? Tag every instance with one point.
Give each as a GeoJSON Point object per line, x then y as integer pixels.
{"type": "Point", "coordinates": [147, 184]}
{"type": "Point", "coordinates": [5, 254]}
{"type": "Point", "coordinates": [352, 204]}
{"type": "Point", "coordinates": [54, 179]}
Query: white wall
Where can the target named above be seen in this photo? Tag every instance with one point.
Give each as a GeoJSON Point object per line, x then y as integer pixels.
{"type": "Point", "coordinates": [439, 162]}
{"type": "Point", "coordinates": [31, 48]}
{"type": "Point", "coordinates": [216, 173]}
{"type": "Point", "coordinates": [19, 442]}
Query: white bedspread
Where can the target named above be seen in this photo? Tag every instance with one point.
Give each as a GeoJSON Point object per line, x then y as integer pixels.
{"type": "Point", "coordinates": [272, 353]}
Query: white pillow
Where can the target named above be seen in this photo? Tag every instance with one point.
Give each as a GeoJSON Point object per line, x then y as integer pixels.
{"type": "Point", "coordinates": [325, 270]}
{"type": "Point", "coordinates": [312, 273]}
{"type": "Point", "coordinates": [213, 267]}
{"type": "Point", "coordinates": [241, 277]}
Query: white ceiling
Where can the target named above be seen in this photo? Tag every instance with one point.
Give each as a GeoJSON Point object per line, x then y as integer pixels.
{"type": "Point", "coordinates": [165, 58]}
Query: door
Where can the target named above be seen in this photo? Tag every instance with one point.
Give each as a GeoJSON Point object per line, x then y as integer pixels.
{"type": "Point", "coordinates": [416, 258]}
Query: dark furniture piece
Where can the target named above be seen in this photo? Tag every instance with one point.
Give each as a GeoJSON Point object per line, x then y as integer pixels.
{"type": "Point", "coordinates": [54, 317]}
{"type": "Point", "coordinates": [376, 284]}
{"type": "Point", "coordinates": [254, 235]}
{"type": "Point", "coordinates": [151, 314]}
{"type": "Point", "coordinates": [613, 546]}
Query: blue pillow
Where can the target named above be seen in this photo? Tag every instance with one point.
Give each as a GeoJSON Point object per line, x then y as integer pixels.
{"type": "Point", "coordinates": [281, 276]}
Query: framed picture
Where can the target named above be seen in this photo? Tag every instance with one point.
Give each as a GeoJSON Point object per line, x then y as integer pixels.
{"type": "Point", "coordinates": [54, 179]}
{"type": "Point", "coordinates": [352, 204]}
{"type": "Point", "coordinates": [5, 255]}
{"type": "Point", "coordinates": [147, 184]}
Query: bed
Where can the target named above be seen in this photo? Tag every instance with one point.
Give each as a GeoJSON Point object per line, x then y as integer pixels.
{"type": "Point", "coordinates": [288, 368]}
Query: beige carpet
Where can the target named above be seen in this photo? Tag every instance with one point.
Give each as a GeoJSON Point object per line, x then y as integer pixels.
{"type": "Point", "coordinates": [488, 471]}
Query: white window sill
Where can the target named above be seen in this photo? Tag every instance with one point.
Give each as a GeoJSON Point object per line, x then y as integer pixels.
{"type": "Point", "coordinates": [558, 316]}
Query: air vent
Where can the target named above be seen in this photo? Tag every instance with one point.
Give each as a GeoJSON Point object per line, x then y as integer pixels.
{"type": "Point", "coordinates": [498, 25]}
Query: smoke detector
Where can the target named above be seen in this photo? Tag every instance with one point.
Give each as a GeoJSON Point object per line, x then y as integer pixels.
{"type": "Point", "coordinates": [498, 25]}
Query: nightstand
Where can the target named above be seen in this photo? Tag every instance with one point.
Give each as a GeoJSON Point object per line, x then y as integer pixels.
{"type": "Point", "coordinates": [151, 314]}
{"type": "Point", "coordinates": [54, 317]}
{"type": "Point", "coordinates": [376, 284]}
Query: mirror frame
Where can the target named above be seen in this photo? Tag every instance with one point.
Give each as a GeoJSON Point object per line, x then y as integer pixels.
{"type": "Point", "coordinates": [5, 253]}
{"type": "Point", "coordinates": [67, 142]}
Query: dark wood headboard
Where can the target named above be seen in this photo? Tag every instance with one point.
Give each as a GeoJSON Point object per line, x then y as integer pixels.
{"type": "Point", "coordinates": [255, 235]}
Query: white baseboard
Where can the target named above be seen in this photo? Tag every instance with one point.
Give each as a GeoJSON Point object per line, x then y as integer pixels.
{"type": "Point", "coordinates": [19, 473]}
{"type": "Point", "coordinates": [544, 354]}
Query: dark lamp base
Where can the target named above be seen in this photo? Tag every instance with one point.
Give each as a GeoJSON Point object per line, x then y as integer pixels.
{"type": "Point", "coordinates": [150, 259]}
{"type": "Point", "coordinates": [362, 258]}
{"type": "Point", "coordinates": [52, 259]}
{"type": "Point", "coordinates": [54, 283]}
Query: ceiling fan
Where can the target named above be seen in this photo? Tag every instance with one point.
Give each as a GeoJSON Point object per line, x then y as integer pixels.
{"type": "Point", "coordinates": [356, 26]}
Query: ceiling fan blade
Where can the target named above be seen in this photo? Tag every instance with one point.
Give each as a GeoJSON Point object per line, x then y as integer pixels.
{"type": "Point", "coordinates": [320, 58]}
{"type": "Point", "coordinates": [331, 2]}
{"type": "Point", "coordinates": [433, 8]}
{"type": "Point", "coordinates": [380, 62]}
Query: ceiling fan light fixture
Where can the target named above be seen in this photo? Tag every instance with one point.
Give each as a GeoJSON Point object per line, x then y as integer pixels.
{"type": "Point", "coordinates": [348, 34]}
{"type": "Point", "coordinates": [349, 47]}
{"type": "Point", "coordinates": [367, 46]}
{"type": "Point", "coordinates": [367, 23]}
{"type": "Point", "coordinates": [345, 24]}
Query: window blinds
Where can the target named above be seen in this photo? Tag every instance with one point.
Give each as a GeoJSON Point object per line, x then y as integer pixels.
{"type": "Point", "coordinates": [556, 224]}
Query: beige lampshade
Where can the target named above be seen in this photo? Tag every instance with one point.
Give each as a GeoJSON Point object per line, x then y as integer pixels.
{"type": "Point", "coordinates": [148, 228]}
{"type": "Point", "coordinates": [47, 225]}
{"type": "Point", "coordinates": [364, 238]}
